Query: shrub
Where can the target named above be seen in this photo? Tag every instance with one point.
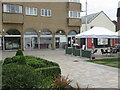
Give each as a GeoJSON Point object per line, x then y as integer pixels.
{"type": "Point", "coordinates": [19, 76]}
{"type": "Point", "coordinates": [38, 62]}
{"type": "Point", "coordinates": [21, 60]}
{"type": "Point", "coordinates": [45, 72]}
{"type": "Point", "coordinates": [19, 52]}
{"type": "Point", "coordinates": [53, 71]}
{"type": "Point", "coordinates": [30, 57]}
{"type": "Point", "coordinates": [61, 83]}
{"type": "Point", "coordinates": [48, 75]}
{"type": "Point", "coordinates": [7, 60]}
{"type": "Point", "coordinates": [15, 59]}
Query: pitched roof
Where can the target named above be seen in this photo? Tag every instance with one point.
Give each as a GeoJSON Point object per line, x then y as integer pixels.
{"type": "Point", "coordinates": [90, 17]}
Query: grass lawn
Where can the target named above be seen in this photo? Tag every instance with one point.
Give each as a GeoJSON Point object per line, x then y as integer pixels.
{"type": "Point", "coordinates": [112, 62]}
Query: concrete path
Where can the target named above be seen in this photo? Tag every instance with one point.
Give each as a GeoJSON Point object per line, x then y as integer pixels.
{"type": "Point", "coordinates": [86, 74]}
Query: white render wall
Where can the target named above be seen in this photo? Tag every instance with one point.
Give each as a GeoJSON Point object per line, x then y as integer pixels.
{"type": "Point", "coordinates": [100, 21]}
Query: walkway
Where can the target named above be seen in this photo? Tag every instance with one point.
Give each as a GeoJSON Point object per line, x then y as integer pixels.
{"type": "Point", "coordinates": [86, 74]}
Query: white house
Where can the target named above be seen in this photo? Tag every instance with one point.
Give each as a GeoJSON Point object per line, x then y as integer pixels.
{"type": "Point", "coordinates": [99, 19]}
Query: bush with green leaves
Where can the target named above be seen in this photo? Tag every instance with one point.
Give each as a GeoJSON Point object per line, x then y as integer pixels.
{"type": "Point", "coordinates": [53, 71]}
{"type": "Point", "coordinates": [15, 59]}
{"type": "Point", "coordinates": [8, 60]}
{"type": "Point", "coordinates": [19, 76]}
{"type": "Point", "coordinates": [17, 68]}
{"type": "Point", "coordinates": [39, 62]}
{"type": "Point", "coordinates": [19, 52]}
{"type": "Point", "coordinates": [48, 74]}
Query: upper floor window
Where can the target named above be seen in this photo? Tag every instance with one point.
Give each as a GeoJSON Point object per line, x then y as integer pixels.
{"type": "Point", "coordinates": [74, 14]}
{"type": "Point", "coordinates": [8, 8]}
{"type": "Point", "coordinates": [77, 1]}
{"type": "Point", "coordinates": [45, 12]}
{"type": "Point", "coordinates": [31, 11]}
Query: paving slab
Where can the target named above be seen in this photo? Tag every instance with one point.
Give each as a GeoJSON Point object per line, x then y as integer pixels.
{"type": "Point", "coordinates": [86, 74]}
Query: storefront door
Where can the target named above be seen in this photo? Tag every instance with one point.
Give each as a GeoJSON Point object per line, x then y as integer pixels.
{"type": "Point", "coordinates": [31, 43]}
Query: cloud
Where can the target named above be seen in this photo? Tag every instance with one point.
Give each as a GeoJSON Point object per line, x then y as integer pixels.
{"type": "Point", "coordinates": [108, 6]}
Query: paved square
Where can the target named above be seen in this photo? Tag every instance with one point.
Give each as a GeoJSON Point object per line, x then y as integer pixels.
{"type": "Point", "coordinates": [86, 74]}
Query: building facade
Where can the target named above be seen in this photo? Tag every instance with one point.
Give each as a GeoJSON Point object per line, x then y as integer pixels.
{"type": "Point", "coordinates": [39, 25]}
{"type": "Point", "coordinates": [118, 16]}
{"type": "Point", "coordinates": [99, 19]}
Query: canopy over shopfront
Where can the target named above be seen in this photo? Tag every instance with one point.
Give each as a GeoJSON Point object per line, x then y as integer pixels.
{"type": "Point", "coordinates": [118, 33]}
{"type": "Point", "coordinates": [98, 32]}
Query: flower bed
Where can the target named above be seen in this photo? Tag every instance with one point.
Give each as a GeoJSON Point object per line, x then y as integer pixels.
{"type": "Point", "coordinates": [112, 62]}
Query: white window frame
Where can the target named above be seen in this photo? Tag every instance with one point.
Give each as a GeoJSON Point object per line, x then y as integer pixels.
{"type": "Point", "coordinates": [7, 8]}
{"type": "Point", "coordinates": [74, 14]}
{"type": "Point", "coordinates": [31, 11]}
{"type": "Point", "coordinates": [76, 1]}
{"type": "Point", "coordinates": [46, 12]}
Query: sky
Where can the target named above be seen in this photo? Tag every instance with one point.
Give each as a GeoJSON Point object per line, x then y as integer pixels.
{"type": "Point", "coordinates": [108, 6]}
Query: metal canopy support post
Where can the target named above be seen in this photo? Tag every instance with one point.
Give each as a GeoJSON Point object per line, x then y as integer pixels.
{"type": "Point", "coordinates": [86, 24]}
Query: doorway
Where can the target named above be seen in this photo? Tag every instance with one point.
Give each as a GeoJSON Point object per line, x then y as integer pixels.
{"type": "Point", "coordinates": [30, 39]}
{"type": "Point", "coordinates": [31, 43]}
{"type": "Point", "coordinates": [60, 39]}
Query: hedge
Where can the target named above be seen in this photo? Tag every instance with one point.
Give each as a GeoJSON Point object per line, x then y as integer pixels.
{"type": "Point", "coordinates": [19, 52]}
{"type": "Point", "coordinates": [15, 59]}
{"type": "Point", "coordinates": [48, 75]}
{"type": "Point", "coordinates": [19, 76]}
{"type": "Point", "coordinates": [49, 71]}
{"type": "Point", "coordinates": [28, 72]}
{"type": "Point", "coordinates": [39, 62]}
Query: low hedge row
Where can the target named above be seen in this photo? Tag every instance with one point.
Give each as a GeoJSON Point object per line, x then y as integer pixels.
{"type": "Point", "coordinates": [33, 61]}
{"type": "Point", "coordinates": [53, 71]}
{"type": "Point", "coordinates": [19, 76]}
{"type": "Point", "coordinates": [15, 59]}
{"type": "Point", "coordinates": [48, 75]}
{"type": "Point", "coordinates": [38, 62]}
{"type": "Point", "coordinates": [29, 72]}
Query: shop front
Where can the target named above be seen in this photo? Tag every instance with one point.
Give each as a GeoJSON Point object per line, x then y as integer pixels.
{"type": "Point", "coordinates": [71, 36]}
{"type": "Point", "coordinates": [11, 40]}
{"type": "Point", "coordinates": [60, 39]}
{"type": "Point", "coordinates": [45, 40]}
{"type": "Point", "coordinates": [30, 39]}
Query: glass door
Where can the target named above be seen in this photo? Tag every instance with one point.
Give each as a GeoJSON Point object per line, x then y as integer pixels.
{"type": "Point", "coordinates": [57, 42]}
{"type": "Point", "coordinates": [34, 43]}
{"type": "Point", "coordinates": [28, 43]}
{"type": "Point", "coordinates": [31, 43]}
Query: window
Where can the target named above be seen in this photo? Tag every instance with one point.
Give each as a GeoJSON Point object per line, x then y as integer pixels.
{"type": "Point", "coordinates": [77, 1]}
{"type": "Point", "coordinates": [102, 41]}
{"type": "Point", "coordinates": [31, 11]}
{"type": "Point", "coordinates": [45, 12]}
{"type": "Point", "coordinates": [74, 14]}
{"type": "Point", "coordinates": [8, 8]}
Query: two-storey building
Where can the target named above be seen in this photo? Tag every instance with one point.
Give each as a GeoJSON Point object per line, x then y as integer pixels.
{"type": "Point", "coordinates": [38, 25]}
{"type": "Point", "coordinates": [118, 16]}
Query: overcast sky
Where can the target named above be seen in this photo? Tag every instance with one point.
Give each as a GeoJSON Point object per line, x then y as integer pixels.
{"type": "Point", "coordinates": [108, 6]}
